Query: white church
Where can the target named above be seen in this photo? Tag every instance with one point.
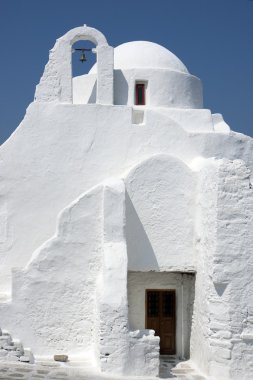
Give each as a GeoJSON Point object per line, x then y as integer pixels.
{"type": "Point", "coordinates": [126, 217]}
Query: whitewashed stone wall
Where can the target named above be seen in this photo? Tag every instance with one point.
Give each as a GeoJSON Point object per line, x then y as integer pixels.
{"type": "Point", "coordinates": [234, 281]}
{"type": "Point", "coordinates": [223, 282]}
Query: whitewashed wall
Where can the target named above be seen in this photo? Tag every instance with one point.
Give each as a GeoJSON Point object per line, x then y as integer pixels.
{"type": "Point", "coordinates": [53, 297]}
{"type": "Point", "coordinates": [221, 342]}
{"type": "Point", "coordinates": [160, 215]}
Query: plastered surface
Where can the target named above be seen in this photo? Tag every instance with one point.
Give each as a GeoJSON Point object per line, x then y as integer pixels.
{"type": "Point", "coordinates": [160, 209]}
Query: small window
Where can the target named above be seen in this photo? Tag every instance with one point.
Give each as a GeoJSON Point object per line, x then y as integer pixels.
{"type": "Point", "coordinates": [140, 94]}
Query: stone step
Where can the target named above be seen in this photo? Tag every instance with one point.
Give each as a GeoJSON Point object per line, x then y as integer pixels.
{"type": "Point", "coordinates": [185, 370]}
{"type": "Point", "coordinates": [12, 349]}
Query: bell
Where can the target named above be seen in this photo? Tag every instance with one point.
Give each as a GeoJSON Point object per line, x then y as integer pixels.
{"type": "Point", "coordinates": [83, 58]}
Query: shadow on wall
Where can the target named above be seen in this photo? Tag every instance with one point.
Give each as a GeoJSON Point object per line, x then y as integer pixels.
{"type": "Point", "coordinates": [190, 279]}
{"type": "Point", "coordinates": [140, 252]}
{"type": "Point", "coordinates": [93, 95]}
{"type": "Point", "coordinates": [220, 288]}
{"type": "Point", "coordinates": [120, 88]}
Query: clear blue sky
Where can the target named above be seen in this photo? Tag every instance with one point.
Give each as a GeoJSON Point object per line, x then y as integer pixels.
{"type": "Point", "coordinates": [213, 38]}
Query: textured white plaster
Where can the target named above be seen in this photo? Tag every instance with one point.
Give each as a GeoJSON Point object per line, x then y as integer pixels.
{"type": "Point", "coordinates": [160, 206]}
{"type": "Point", "coordinates": [52, 305]}
{"type": "Point", "coordinates": [223, 292]}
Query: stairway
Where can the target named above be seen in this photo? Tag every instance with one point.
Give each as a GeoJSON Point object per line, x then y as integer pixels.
{"type": "Point", "coordinates": [172, 368]}
{"type": "Point", "coordinates": [11, 350]}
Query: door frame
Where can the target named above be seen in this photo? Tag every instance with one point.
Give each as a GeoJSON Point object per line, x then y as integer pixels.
{"type": "Point", "coordinates": [174, 290]}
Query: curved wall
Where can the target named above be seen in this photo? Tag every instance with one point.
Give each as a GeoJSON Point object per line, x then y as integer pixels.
{"type": "Point", "coordinates": [160, 211]}
{"type": "Point", "coordinates": [164, 88]}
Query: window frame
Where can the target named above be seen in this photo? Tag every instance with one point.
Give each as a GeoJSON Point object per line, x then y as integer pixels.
{"type": "Point", "coordinates": [141, 85]}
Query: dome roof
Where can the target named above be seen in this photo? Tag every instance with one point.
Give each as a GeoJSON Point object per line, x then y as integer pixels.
{"type": "Point", "coordinates": [145, 54]}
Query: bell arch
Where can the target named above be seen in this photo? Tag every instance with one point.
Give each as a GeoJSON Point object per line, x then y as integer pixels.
{"type": "Point", "coordinates": [56, 82]}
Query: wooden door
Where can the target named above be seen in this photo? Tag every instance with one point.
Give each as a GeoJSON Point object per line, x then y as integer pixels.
{"type": "Point", "coordinates": [161, 317]}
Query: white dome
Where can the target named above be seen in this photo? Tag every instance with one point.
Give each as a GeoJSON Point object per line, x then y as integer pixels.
{"type": "Point", "coordinates": [145, 54]}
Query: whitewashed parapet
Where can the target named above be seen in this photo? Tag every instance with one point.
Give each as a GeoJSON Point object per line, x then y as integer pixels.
{"type": "Point", "coordinates": [144, 353]}
{"type": "Point", "coordinates": [11, 350]}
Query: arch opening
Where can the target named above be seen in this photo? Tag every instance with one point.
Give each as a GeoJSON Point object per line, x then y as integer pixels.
{"type": "Point", "coordinates": [84, 86]}
{"type": "Point", "coordinates": [58, 86]}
